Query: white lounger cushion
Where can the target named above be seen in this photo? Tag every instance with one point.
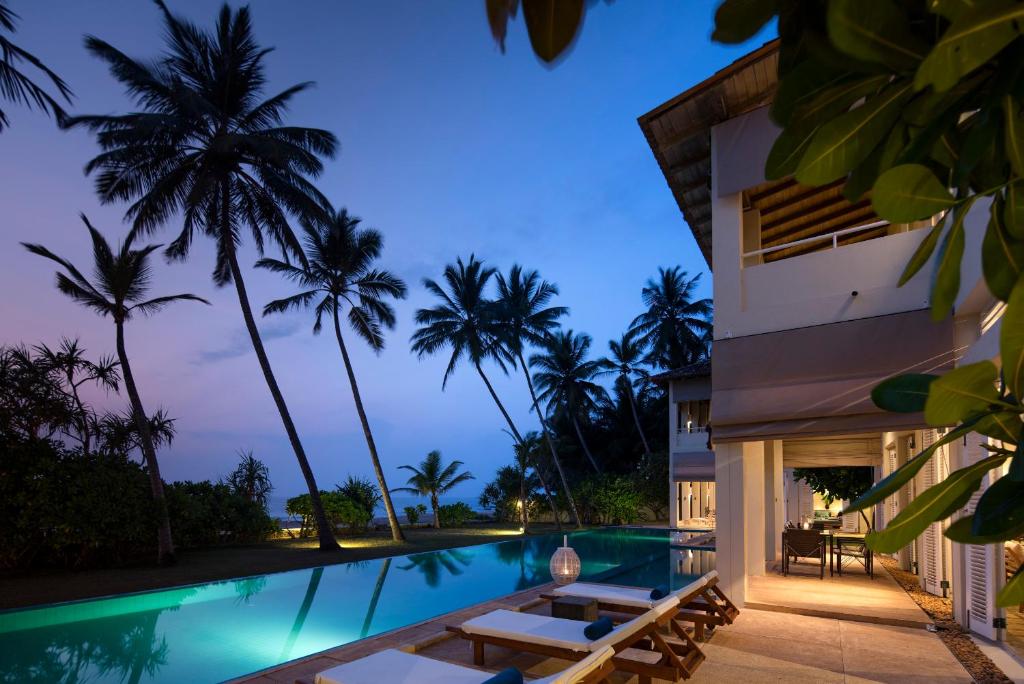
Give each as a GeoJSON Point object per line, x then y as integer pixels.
{"type": "Point", "coordinates": [628, 596]}
{"type": "Point", "coordinates": [559, 632]}
{"type": "Point", "coordinates": [398, 667]}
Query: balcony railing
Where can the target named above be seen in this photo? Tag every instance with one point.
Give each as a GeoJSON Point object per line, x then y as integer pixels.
{"type": "Point", "coordinates": [828, 237]}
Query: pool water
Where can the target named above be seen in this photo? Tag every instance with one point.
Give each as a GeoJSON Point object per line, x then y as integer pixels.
{"type": "Point", "coordinates": [220, 630]}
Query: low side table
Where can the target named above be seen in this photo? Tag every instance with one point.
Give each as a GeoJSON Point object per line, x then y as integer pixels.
{"type": "Point", "coordinates": [574, 608]}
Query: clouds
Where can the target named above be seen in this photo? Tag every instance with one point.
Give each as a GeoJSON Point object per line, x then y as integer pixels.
{"type": "Point", "coordinates": [239, 343]}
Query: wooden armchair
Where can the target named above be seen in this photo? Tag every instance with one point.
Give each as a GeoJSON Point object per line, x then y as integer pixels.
{"type": "Point", "coordinates": [803, 544]}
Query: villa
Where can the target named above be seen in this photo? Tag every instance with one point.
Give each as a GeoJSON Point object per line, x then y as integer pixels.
{"type": "Point", "coordinates": [808, 318]}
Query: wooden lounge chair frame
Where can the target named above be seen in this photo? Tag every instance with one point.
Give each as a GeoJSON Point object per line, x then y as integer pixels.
{"type": "Point", "coordinates": [678, 660]}
{"type": "Point", "coordinates": [707, 607]}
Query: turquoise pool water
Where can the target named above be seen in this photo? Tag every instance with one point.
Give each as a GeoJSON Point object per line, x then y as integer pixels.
{"type": "Point", "coordinates": [220, 630]}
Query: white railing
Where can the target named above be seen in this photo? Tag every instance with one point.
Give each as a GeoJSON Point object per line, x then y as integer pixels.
{"type": "Point", "coordinates": [833, 237]}
{"type": "Point", "coordinates": [691, 429]}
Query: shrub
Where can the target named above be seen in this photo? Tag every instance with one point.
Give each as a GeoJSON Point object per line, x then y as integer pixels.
{"type": "Point", "coordinates": [413, 513]}
{"type": "Point", "coordinates": [455, 515]}
{"type": "Point", "coordinates": [502, 494]}
{"type": "Point", "coordinates": [205, 513]}
{"type": "Point", "coordinates": [364, 493]}
{"type": "Point", "coordinates": [339, 509]}
{"type": "Point", "coordinates": [610, 500]}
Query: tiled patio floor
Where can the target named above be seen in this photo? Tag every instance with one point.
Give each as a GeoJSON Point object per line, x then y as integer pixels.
{"type": "Point", "coordinates": [762, 646]}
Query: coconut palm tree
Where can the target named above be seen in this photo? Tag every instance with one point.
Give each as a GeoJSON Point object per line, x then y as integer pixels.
{"type": "Point", "coordinates": [673, 328]}
{"type": "Point", "coordinates": [433, 479]}
{"type": "Point", "coordinates": [339, 275]}
{"type": "Point", "coordinates": [18, 87]}
{"type": "Point", "coordinates": [122, 279]}
{"type": "Point", "coordinates": [527, 320]}
{"type": "Point", "coordinates": [624, 362]}
{"type": "Point", "coordinates": [565, 377]}
{"type": "Point", "coordinates": [206, 145]}
{"type": "Point", "coordinates": [470, 324]}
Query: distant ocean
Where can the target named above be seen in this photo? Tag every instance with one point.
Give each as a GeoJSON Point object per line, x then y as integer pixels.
{"type": "Point", "coordinates": [276, 505]}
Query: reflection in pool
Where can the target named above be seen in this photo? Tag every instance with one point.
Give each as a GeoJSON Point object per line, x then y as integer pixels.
{"type": "Point", "coordinates": [216, 631]}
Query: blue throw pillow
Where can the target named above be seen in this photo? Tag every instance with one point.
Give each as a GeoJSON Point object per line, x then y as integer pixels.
{"type": "Point", "coordinates": [598, 628]}
{"type": "Point", "coordinates": [659, 592]}
{"type": "Point", "coordinates": [509, 675]}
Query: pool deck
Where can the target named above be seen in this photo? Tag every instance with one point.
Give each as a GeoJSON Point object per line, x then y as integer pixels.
{"type": "Point", "coordinates": [761, 646]}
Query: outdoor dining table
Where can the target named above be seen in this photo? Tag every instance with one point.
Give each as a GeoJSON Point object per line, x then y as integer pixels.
{"type": "Point", "coordinates": [835, 548]}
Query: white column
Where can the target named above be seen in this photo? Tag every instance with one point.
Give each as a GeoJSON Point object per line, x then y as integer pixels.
{"type": "Point", "coordinates": [774, 504]}
{"type": "Point", "coordinates": [739, 535]}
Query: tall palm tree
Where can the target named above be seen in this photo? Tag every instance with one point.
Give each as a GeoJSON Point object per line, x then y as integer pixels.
{"type": "Point", "coordinates": [470, 324]}
{"type": "Point", "coordinates": [121, 281]}
{"type": "Point", "coordinates": [339, 275]}
{"type": "Point", "coordinates": [208, 146]}
{"type": "Point", "coordinates": [674, 326]}
{"type": "Point", "coordinates": [433, 479]}
{"type": "Point", "coordinates": [565, 377]}
{"type": "Point", "coordinates": [624, 362]}
{"type": "Point", "coordinates": [528, 320]}
{"type": "Point", "coordinates": [18, 87]}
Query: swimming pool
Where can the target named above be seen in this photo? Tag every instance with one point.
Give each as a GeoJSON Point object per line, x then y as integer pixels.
{"type": "Point", "coordinates": [220, 630]}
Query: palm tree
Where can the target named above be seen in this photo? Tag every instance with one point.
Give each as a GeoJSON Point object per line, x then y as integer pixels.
{"type": "Point", "coordinates": [251, 479]}
{"type": "Point", "coordinates": [17, 86]}
{"type": "Point", "coordinates": [208, 146]}
{"type": "Point", "coordinates": [624, 362]}
{"type": "Point", "coordinates": [674, 326]}
{"type": "Point", "coordinates": [432, 479]}
{"type": "Point", "coordinates": [522, 306]}
{"type": "Point", "coordinates": [122, 280]}
{"type": "Point", "coordinates": [470, 324]}
{"type": "Point", "coordinates": [339, 275]}
{"type": "Point", "coordinates": [565, 378]}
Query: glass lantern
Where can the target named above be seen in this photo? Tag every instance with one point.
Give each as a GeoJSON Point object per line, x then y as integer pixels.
{"type": "Point", "coordinates": [565, 564]}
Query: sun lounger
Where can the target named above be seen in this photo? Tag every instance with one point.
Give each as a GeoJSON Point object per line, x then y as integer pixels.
{"type": "Point", "coordinates": [561, 638]}
{"type": "Point", "coordinates": [399, 667]}
{"type": "Point", "coordinates": [701, 602]}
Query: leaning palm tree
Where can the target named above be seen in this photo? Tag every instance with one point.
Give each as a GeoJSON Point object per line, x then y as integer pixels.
{"type": "Point", "coordinates": [432, 479]}
{"type": "Point", "coordinates": [565, 377]}
{"type": "Point", "coordinates": [121, 281]}
{"type": "Point", "coordinates": [527, 320]}
{"type": "Point", "coordinates": [207, 146]}
{"type": "Point", "coordinates": [673, 327]}
{"type": "Point", "coordinates": [624, 362]}
{"type": "Point", "coordinates": [18, 87]}
{"type": "Point", "coordinates": [470, 324]}
{"type": "Point", "coordinates": [339, 276]}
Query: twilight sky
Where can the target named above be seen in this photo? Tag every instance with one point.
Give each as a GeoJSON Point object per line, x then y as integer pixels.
{"type": "Point", "coordinates": [448, 147]}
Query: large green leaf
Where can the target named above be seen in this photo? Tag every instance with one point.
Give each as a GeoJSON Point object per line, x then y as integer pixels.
{"type": "Point", "coordinates": [896, 479]}
{"type": "Point", "coordinates": [947, 269]}
{"type": "Point", "coordinates": [1013, 209]}
{"type": "Point", "coordinates": [838, 98]}
{"type": "Point", "coordinates": [923, 252]}
{"type": "Point", "coordinates": [962, 392]}
{"type": "Point", "coordinates": [1011, 341]}
{"type": "Point", "coordinates": [787, 150]}
{"type": "Point", "coordinates": [1000, 510]}
{"type": "Point", "coordinates": [738, 20]}
{"type": "Point", "coordinates": [1016, 472]}
{"type": "Point", "coordinates": [909, 192]}
{"type": "Point", "coordinates": [1002, 425]}
{"type": "Point", "coordinates": [970, 41]}
{"type": "Point", "coordinates": [1012, 594]}
{"type": "Point", "coordinates": [845, 141]}
{"type": "Point", "coordinates": [904, 393]}
{"type": "Point", "coordinates": [1013, 131]}
{"type": "Point", "coordinates": [863, 177]}
{"type": "Point", "coordinates": [802, 84]}
{"type": "Point", "coordinates": [552, 25]}
{"type": "Point", "coordinates": [1002, 257]}
{"type": "Point", "coordinates": [875, 31]}
{"type": "Point", "coordinates": [931, 505]}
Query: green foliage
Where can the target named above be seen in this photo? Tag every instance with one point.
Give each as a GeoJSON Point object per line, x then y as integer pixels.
{"type": "Point", "coordinates": [363, 492]}
{"type": "Point", "coordinates": [651, 479]}
{"type": "Point", "coordinates": [502, 494]}
{"type": "Point", "coordinates": [610, 500]}
{"type": "Point", "coordinates": [836, 484]}
{"type": "Point", "coordinates": [928, 115]}
{"type": "Point", "coordinates": [455, 515]}
{"type": "Point", "coordinates": [339, 508]}
{"type": "Point", "coordinates": [207, 513]}
{"type": "Point", "coordinates": [413, 513]}
{"type": "Point", "coordinates": [251, 479]}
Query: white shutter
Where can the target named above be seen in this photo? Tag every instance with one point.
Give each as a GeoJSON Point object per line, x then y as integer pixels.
{"type": "Point", "coordinates": [851, 521]}
{"type": "Point", "coordinates": [893, 507]}
{"type": "Point", "coordinates": [806, 495]}
{"type": "Point", "coordinates": [984, 562]}
{"type": "Point", "coordinates": [931, 560]}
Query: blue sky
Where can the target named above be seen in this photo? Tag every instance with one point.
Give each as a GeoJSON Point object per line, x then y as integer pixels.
{"type": "Point", "coordinates": [448, 147]}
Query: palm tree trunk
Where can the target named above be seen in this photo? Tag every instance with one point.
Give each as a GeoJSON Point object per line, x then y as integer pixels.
{"type": "Point", "coordinates": [636, 419]}
{"type": "Point", "coordinates": [519, 440]}
{"type": "Point", "coordinates": [551, 443]}
{"type": "Point", "coordinates": [522, 499]}
{"type": "Point", "coordinates": [396, 530]}
{"type": "Point", "coordinates": [437, 511]}
{"type": "Point", "coordinates": [583, 443]}
{"type": "Point", "coordinates": [372, 608]}
{"type": "Point", "coordinates": [324, 529]}
{"type": "Point", "coordinates": [300, 618]}
{"type": "Point", "coordinates": [82, 416]}
{"type": "Point", "coordinates": [165, 544]}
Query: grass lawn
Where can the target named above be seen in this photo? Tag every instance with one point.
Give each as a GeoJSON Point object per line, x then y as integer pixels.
{"type": "Point", "coordinates": [204, 565]}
